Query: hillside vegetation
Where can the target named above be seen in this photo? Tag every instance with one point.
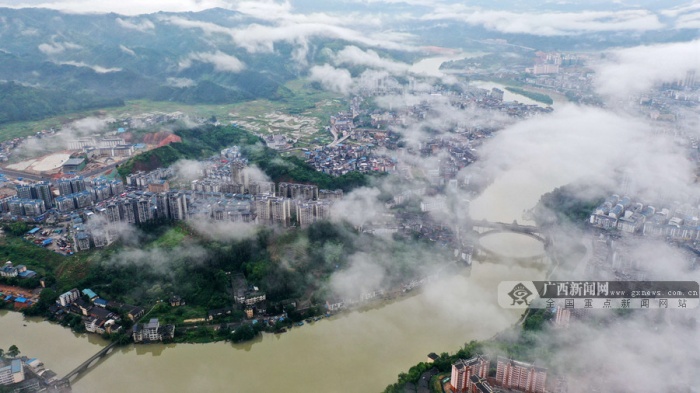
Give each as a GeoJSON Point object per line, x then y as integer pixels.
{"type": "Point", "coordinates": [539, 97]}
{"type": "Point", "coordinates": [21, 103]}
{"type": "Point", "coordinates": [208, 140]}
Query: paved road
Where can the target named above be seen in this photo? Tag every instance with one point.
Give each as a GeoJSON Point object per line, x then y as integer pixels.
{"type": "Point", "coordinates": [24, 175]}
{"type": "Point", "coordinates": [341, 140]}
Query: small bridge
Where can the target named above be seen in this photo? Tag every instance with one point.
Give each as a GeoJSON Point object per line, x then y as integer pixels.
{"type": "Point", "coordinates": [90, 362]}
{"type": "Point", "coordinates": [487, 228]}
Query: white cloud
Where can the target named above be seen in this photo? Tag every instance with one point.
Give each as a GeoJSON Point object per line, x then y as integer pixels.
{"type": "Point", "coordinates": [334, 79]}
{"type": "Point", "coordinates": [206, 27]}
{"type": "Point", "coordinates": [221, 61]}
{"type": "Point", "coordinates": [635, 70]}
{"type": "Point", "coordinates": [188, 170]}
{"type": "Point", "coordinates": [355, 56]}
{"type": "Point", "coordinates": [143, 25]}
{"type": "Point", "coordinates": [549, 23]}
{"type": "Point", "coordinates": [30, 32]}
{"type": "Point", "coordinates": [282, 12]}
{"type": "Point", "coordinates": [257, 38]}
{"type": "Point", "coordinates": [363, 276]}
{"type": "Point", "coordinates": [96, 68]}
{"type": "Point", "coordinates": [680, 10]}
{"type": "Point", "coordinates": [261, 38]}
{"type": "Point", "coordinates": [359, 207]}
{"type": "Point", "coordinates": [224, 230]}
{"type": "Point", "coordinates": [181, 82]}
{"type": "Point", "coordinates": [127, 50]}
{"type": "Point", "coordinates": [583, 146]}
{"type": "Point", "coordinates": [54, 48]}
{"type": "Point", "coordinates": [688, 21]}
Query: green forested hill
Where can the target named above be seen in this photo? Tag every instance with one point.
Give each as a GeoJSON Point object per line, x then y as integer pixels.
{"type": "Point", "coordinates": [208, 140]}
{"type": "Point", "coordinates": [20, 103]}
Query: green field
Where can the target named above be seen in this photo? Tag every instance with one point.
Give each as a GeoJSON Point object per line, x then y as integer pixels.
{"type": "Point", "coordinates": [305, 102]}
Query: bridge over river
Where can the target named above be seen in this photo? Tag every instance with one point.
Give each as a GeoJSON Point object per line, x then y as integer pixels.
{"type": "Point", "coordinates": [485, 228]}
{"type": "Point", "coordinates": [93, 360]}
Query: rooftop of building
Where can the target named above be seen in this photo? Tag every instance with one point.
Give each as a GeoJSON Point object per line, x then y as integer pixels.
{"type": "Point", "coordinates": [152, 324]}
{"type": "Point", "coordinates": [74, 161]}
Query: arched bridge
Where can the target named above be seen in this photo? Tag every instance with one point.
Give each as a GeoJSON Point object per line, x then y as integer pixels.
{"type": "Point", "coordinates": [484, 228]}
{"type": "Point", "coordinates": [90, 362]}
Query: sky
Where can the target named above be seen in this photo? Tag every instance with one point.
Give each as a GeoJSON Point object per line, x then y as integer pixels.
{"type": "Point", "coordinates": [548, 18]}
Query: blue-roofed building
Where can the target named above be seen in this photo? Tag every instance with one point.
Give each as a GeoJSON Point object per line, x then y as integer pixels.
{"type": "Point", "coordinates": [33, 230]}
{"type": "Point", "coordinates": [100, 302]}
{"type": "Point", "coordinates": [120, 130]}
{"type": "Point", "coordinates": [20, 300]}
{"type": "Point", "coordinates": [27, 274]}
{"type": "Point", "coordinates": [12, 373]}
{"type": "Point", "coordinates": [89, 293]}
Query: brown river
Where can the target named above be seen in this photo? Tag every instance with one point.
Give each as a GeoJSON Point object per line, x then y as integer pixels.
{"type": "Point", "coordinates": [359, 351]}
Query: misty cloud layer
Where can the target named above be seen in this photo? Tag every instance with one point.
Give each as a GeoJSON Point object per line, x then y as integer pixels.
{"type": "Point", "coordinates": [220, 60]}
{"type": "Point", "coordinates": [635, 70]}
{"type": "Point", "coordinates": [589, 146]}
{"type": "Point", "coordinates": [88, 126]}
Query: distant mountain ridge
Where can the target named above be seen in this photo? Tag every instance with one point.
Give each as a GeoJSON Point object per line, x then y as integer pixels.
{"type": "Point", "coordinates": [116, 58]}
{"type": "Point", "coordinates": [222, 56]}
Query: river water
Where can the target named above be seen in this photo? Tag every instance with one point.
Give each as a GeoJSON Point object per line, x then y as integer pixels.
{"type": "Point", "coordinates": [360, 351]}
{"type": "Point", "coordinates": [431, 66]}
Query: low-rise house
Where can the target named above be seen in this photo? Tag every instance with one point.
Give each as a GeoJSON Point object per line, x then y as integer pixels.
{"type": "Point", "coordinates": [254, 297]}
{"type": "Point", "coordinates": [99, 312]}
{"type": "Point", "coordinates": [95, 325]}
{"type": "Point", "coordinates": [134, 312]}
{"type": "Point", "coordinates": [8, 270]}
{"type": "Point", "coordinates": [90, 294]}
{"type": "Point", "coordinates": [335, 304]}
{"type": "Point", "coordinates": [100, 303]}
{"type": "Point", "coordinates": [152, 331]}
{"type": "Point", "coordinates": [80, 306]}
{"type": "Point", "coordinates": [111, 327]}
{"type": "Point", "coordinates": [176, 301]}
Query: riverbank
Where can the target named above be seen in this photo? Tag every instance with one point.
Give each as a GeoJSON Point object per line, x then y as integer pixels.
{"type": "Point", "coordinates": [539, 97]}
{"type": "Point", "coordinates": [307, 358]}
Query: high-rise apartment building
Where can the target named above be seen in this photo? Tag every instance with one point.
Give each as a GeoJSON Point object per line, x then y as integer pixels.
{"type": "Point", "coordinates": [522, 376]}
{"type": "Point", "coordinates": [463, 370]}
